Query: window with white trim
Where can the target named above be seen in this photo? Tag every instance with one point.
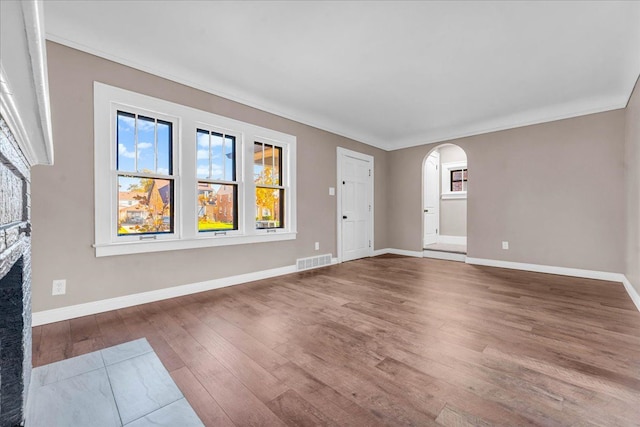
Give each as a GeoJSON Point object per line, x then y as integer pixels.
{"type": "Point", "coordinates": [169, 177]}
{"type": "Point", "coordinates": [217, 184]}
{"type": "Point", "coordinates": [144, 175]}
{"type": "Point", "coordinates": [454, 180]}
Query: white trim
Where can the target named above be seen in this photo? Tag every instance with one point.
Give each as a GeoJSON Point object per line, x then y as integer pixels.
{"type": "Point", "coordinates": [454, 196]}
{"type": "Point", "coordinates": [24, 100]}
{"type": "Point", "coordinates": [108, 99]}
{"type": "Point", "coordinates": [10, 113]}
{"type": "Point", "coordinates": [449, 256]}
{"type": "Point", "coordinates": [224, 92]}
{"type": "Point", "coordinates": [365, 157]}
{"type": "Point", "coordinates": [393, 251]}
{"type": "Point", "coordinates": [528, 118]}
{"type": "Point", "coordinates": [445, 182]}
{"type": "Point", "coordinates": [139, 247]}
{"type": "Point", "coordinates": [452, 240]}
{"type": "Point", "coordinates": [34, 21]}
{"type": "Point", "coordinates": [635, 297]}
{"type": "Point", "coordinates": [563, 271]}
{"type": "Point", "coordinates": [94, 307]}
{"type": "Point", "coordinates": [481, 128]}
{"type": "Point", "coordinates": [549, 269]}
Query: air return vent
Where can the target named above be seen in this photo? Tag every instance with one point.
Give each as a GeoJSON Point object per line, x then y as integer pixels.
{"type": "Point", "coordinates": [313, 262]}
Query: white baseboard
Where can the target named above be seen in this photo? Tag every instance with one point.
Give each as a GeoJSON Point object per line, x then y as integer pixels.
{"type": "Point", "coordinates": [550, 269]}
{"type": "Point", "coordinates": [563, 271]}
{"type": "Point", "coordinates": [449, 256]}
{"type": "Point", "coordinates": [403, 252]}
{"type": "Point", "coordinates": [635, 296]}
{"type": "Point", "coordinates": [452, 240]}
{"type": "Point", "coordinates": [94, 307]}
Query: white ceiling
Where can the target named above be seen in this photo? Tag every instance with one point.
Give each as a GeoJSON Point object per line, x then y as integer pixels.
{"type": "Point", "coordinates": [390, 74]}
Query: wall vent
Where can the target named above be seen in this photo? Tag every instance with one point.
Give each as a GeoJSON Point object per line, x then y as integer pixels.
{"type": "Point", "coordinates": [313, 262]}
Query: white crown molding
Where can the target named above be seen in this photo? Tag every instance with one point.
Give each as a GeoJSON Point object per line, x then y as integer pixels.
{"type": "Point", "coordinates": [227, 93]}
{"type": "Point", "coordinates": [94, 307]}
{"type": "Point", "coordinates": [482, 128]}
{"type": "Point", "coordinates": [525, 119]}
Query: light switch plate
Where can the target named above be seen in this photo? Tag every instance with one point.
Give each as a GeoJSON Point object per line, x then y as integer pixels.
{"type": "Point", "coordinates": [332, 191]}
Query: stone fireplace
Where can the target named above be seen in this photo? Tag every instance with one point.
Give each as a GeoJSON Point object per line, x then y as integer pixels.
{"type": "Point", "coordinates": [15, 280]}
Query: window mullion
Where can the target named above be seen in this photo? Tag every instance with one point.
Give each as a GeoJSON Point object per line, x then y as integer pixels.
{"type": "Point", "coordinates": [135, 143]}
{"type": "Point", "coordinates": [210, 157]}
{"type": "Point", "coordinates": [155, 145]}
{"type": "Point", "coordinates": [224, 163]}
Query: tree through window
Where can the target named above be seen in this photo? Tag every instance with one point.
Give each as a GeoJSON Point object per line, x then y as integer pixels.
{"type": "Point", "coordinates": [145, 181]}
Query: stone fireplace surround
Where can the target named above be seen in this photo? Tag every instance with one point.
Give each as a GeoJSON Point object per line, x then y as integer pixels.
{"type": "Point", "coordinates": [15, 280]}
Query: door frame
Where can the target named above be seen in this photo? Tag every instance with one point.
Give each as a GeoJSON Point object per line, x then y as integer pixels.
{"type": "Point", "coordinates": [424, 161]}
{"type": "Point", "coordinates": [361, 156]}
{"type": "Point", "coordinates": [424, 192]}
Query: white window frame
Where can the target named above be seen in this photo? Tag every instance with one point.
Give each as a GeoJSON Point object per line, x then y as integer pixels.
{"type": "Point", "coordinates": [186, 120]}
{"type": "Point", "coordinates": [446, 193]}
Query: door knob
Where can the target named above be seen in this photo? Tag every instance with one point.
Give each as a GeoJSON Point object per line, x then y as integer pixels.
{"type": "Point", "coordinates": [426, 210]}
{"type": "Point", "coordinates": [344, 217]}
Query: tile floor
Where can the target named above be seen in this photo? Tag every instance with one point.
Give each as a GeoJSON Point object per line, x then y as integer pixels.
{"type": "Point", "coordinates": [125, 385]}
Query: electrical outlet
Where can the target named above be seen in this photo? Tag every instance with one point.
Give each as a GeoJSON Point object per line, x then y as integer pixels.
{"type": "Point", "coordinates": [317, 246]}
{"type": "Point", "coordinates": [505, 245]}
{"type": "Point", "coordinates": [59, 287]}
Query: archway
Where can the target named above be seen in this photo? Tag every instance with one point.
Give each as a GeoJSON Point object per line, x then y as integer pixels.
{"type": "Point", "coordinates": [444, 203]}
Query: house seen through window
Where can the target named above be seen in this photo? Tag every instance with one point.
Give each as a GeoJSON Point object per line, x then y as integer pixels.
{"type": "Point", "coordinates": [168, 177]}
{"type": "Point", "coordinates": [145, 181]}
{"type": "Point", "coordinates": [267, 175]}
{"type": "Point", "coordinates": [217, 185]}
{"type": "Point", "coordinates": [458, 180]}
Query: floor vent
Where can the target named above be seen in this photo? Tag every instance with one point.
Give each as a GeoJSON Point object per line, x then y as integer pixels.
{"type": "Point", "coordinates": [313, 262]}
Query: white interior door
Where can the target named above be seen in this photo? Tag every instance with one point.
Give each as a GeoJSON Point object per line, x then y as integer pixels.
{"type": "Point", "coordinates": [355, 212]}
{"type": "Point", "coordinates": [431, 198]}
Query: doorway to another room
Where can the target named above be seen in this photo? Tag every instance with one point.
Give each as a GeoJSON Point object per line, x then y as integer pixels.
{"type": "Point", "coordinates": [445, 182]}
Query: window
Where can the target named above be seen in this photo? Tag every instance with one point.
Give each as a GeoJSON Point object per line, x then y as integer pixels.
{"type": "Point", "coordinates": [144, 175]}
{"type": "Point", "coordinates": [172, 177]}
{"type": "Point", "coordinates": [454, 180]}
{"type": "Point", "coordinates": [267, 175]}
{"type": "Point", "coordinates": [458, 180]}
{"type": "Point", "coordinates": [217, 185]}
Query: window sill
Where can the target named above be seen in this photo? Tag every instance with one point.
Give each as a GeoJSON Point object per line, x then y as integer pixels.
{"type": "Point", "coordinates": [138, 247]}
{"type": "Point", "coordinates": [454, 196]}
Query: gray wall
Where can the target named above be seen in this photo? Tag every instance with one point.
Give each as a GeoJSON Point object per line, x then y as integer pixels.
{"type": "Point", "coordinates": [554, 191]}
{"type": "Point", "coordinates": [63, 217]}
{"type": "Point", "coordinates": [632, 168]}
{"type": "Point", "coordinates": [453, 212]}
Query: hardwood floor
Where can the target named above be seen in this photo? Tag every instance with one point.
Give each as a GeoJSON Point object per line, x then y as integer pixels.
{"type": "Point", "coordinates": [388, 341]}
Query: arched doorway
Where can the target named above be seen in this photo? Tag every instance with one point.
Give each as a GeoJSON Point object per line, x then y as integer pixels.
{"type": "Point", "coordinates": [444, 202]}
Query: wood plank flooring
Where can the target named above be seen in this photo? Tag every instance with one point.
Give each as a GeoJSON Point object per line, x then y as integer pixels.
{"type": "Point", "coordinates": [388, 341]}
